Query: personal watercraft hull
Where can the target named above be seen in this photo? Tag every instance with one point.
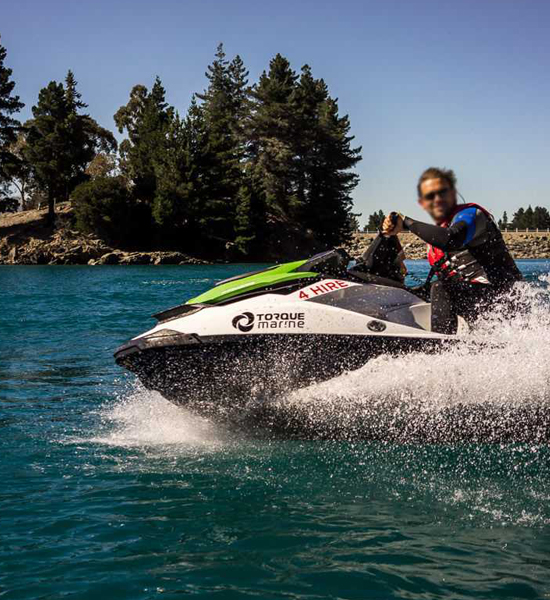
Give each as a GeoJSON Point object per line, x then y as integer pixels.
{"type": "Point", "coordinates": [265, 333]}
{"type": "Point", "coordinates": [210, 374]}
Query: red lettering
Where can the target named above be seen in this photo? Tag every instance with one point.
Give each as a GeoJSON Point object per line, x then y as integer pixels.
{"type": "Point", "coordinates": [318, 289]}
{"type": "Point", "coordinates": [303, 295]}
{"type": "Point", "coordinates": [332, 285]}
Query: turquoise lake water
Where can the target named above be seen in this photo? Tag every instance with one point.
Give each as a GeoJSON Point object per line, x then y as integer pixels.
{"type": "Point", "coordinates": [108, 491]}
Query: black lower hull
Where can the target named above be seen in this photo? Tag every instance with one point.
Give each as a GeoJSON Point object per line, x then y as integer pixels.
{"type": "Point", "coordinates": [214, 373]}
{"type": "Point", "coordinates": [242, 381]}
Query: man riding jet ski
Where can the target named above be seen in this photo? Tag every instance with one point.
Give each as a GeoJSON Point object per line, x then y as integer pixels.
{"type": "Point", "coordinates": [281, 328]}
{"type": "Point", "coordinates": [465, 249]}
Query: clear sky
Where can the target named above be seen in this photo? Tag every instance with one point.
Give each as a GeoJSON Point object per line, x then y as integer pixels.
{"type": "Point", "coordinates": [457, 83]}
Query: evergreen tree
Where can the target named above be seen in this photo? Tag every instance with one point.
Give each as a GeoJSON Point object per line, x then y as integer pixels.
{"type": "Point", "coordinates": [240, 103]}
{"type": "Point", "coordinates": [308, 99]}
{"type": "Point", "coordinates": [47, 148]}
{"type": "Point", "coordinates": [224, 107]}
{"type": "Point", "coordinates": [61, 142]}
{"type": "Point", "coordinates": [271, 136]}
{"type": "Point", "coordinates": [528, 217]}
{"type": "Point", "coordinates": [541, 217]}
{"type": "Point", "coordinates": [72, 95]}
{"type": "Point", "coordinates": [171, 207]}
{"type": "Point", "coordinates": [9, 126]}
{"type": "Point", "coordinates": [146, 119]}
{"type": "Point", "coordinates": [353, 221]}
{"type": "Point", "coordinates": [104, 207]}
{"type": "Point", "coordinates": [301, 153]}
{"type": "Point", "coordinates": [518, 220]}
{"type": "Point", "coordinates": [9, 105]}
{"type": "Point", "coordinates": [375, 221]}
{"type": "Point", "coordinates": [332, 181]}
{"type": "Point", "coordinates": [85, 137]}
{"type": "Point", "coordinates": [250, 218]}
{"type": "Point", "coordinates": [503, 223]}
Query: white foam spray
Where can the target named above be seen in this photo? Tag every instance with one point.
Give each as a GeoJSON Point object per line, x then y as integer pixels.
{"type": "Point", "coordinates": [144, 418]}
{"type": "Point", "coordinates": [504, 364]}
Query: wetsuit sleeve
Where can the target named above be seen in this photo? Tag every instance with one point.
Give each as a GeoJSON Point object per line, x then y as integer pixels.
{"type": "Point", "coordinates": [445, 238]}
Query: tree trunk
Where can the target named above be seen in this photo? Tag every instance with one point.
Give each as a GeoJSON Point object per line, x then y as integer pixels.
{"type": "Point", "coordinates": [51, 206]}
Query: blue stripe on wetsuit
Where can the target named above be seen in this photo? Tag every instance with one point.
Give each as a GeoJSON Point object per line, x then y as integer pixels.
{"type": "Point", "coordinates": [468, 215]}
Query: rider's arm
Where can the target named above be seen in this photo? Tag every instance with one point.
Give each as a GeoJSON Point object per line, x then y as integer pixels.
{"type": "Point", "coordinates": [461, 231]}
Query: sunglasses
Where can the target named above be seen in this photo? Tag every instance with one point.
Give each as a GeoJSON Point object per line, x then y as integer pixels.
{"type": "Point", "coordinates": [433, 195]}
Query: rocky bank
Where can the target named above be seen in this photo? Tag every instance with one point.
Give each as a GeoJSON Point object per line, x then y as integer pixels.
{"type": "Point", "coordinates": [26, 239]}
{"type": "Point", "coordinates": [521, 244]}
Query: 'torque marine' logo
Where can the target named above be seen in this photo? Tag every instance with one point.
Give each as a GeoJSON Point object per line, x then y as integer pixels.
{"type": "Point", "coordinates": [276, 320]}
{"type": "Point", "coordinates": [244, 322]}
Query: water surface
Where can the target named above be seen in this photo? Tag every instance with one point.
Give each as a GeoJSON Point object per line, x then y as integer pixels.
{"type": "Point", "coordinates": [110, 491]}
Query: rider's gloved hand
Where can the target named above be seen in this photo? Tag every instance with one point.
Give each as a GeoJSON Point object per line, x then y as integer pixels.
{"type": "Point", "coordinates": [393, 224]}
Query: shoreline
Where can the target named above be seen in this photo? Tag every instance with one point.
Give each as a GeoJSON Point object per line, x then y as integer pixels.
{"type": "Point", "coordinates": [25, 239]}
{"type": "Point", "coordinates": [530, 245]}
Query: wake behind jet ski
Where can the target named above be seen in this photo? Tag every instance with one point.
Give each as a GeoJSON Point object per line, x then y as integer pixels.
{"type": "Point", "coordinates": [282, 328]}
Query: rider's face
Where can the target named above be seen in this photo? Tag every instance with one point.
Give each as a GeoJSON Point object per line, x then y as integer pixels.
{"type": "Point", "coordinates": [437, 198]}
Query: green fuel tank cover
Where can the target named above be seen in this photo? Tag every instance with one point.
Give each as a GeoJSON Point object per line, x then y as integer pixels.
{"type": "Point", "coordinates": [249, 282]}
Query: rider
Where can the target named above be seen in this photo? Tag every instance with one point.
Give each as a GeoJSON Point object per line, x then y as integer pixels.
{"type": "Point", "coordinates": [465, 250]}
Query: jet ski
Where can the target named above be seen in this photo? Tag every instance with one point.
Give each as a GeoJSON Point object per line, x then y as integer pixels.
{"type": "Point", "coordinates": [281, 328]}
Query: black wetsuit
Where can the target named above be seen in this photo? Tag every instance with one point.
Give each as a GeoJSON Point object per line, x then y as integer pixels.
{"type": "Point", "coordinates": [475, 266]}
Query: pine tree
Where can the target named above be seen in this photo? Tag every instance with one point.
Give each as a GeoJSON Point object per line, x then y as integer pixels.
{"type": "Point", "coordinates": [186, 181]}
{"type": "Point", "coordinates": [47, 143]}
{"type": "Point", "coordinates": [202, 179]}
{"type": "Point", "coordinates": [240, 102]}
{"type": "Point", "coordinates": [171, 208]}
{"type": "Point", "coordinates": [224, 107]}
{"type": "Point", "coordinates": [504, 222]}
{"type": "Point", "coordinates": [308, 98]}
{"type": "Point", "coordinates": [146, 119]}
{"type": "Point", "coordinates": [72, 95]}
{"type": "Point", "coordinates": [541, 218]}
{"type": "Point", "coordinates": [85, 137]}
{"type": "Point", "coordinates": [9, 126]}
{"type": "Point", "coordinates": [375, 221]}
{"type": "Point", "coordinates": [353, 221]}
{"type": "Point", "coordinates": [332, 178]}
{"type": "Point", "coordinates": [61, 142]}
{"type": "Point", "coordinates": [518, 222]}
{"type": "Point", "coordinates": [250, 218]}
{"type": "Point", "coordinates": [271, 135]}
{"type": "Point", "coordinates": [529, 217]}
{"type": "Point", "coordinates": [301, 151]}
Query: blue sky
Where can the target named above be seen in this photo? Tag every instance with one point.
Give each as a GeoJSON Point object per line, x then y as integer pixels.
{"type": "Point", "coordinates": [461, 83]}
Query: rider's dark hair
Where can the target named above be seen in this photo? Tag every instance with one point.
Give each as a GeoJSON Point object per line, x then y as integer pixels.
{"type": "Point", "coordinates": [436, 173]}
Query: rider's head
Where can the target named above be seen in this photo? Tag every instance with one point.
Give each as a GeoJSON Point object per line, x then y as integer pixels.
{"type": "Point", "coordinates": [437, 192]}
